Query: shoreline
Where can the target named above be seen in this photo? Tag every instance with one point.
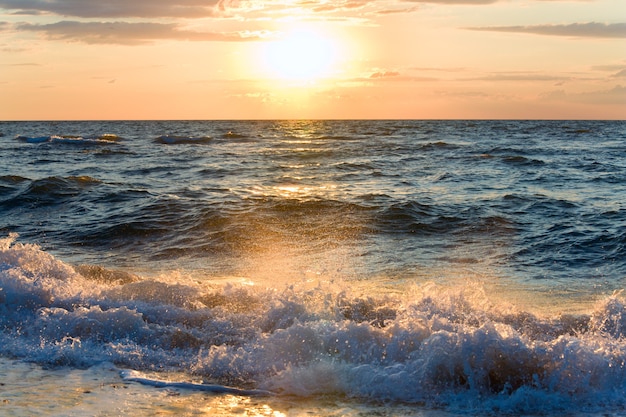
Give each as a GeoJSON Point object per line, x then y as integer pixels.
{"type": "Point", "coordinates": [27, 389]}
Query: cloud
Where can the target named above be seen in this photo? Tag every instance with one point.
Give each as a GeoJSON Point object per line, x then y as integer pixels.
{"type": "Point", "coordinates": [578, 30]}
{"type": "Point", "coordinates": [126, 33]}
{"type": "Point", "coordinates": [441, 69]}
{"type": "Point", "coordinates": [208, 8]}
{"type": "Point", "coordinates": [380, 76]}
{"type": "Point", "coordinates": [613, 67]}
{"type": "Point", "coordinates": [616, 95]}
{"type": "Point", "coordinates": [11, 50]}
{"type": "Point", "coordinates": [520, 76]}
{"type": "Point", "coordinates": [613, 96]}
{"type": "Point", "coordinates": [465, 94]}
{"type": "Point", "coordinates": [385, 74]}
{"type": "Point", "coordinates": [467, 2]}
{"type": "Point", "coordinates": [620, 74]}
{"type": "Point", "coordinates": [25, 64]}
{"type": "Point", "coordinates": [397, 11]}
{"type": "Point", "coordinates": [113, 8]}
{"type": "Point", "coordinates": [169, 8]}
{"type": "Point", "coordinates": [617, 70]}
{"type": "Point", "coordinates": [332, 6]}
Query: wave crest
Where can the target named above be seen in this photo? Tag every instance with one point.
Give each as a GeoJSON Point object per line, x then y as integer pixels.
{"type": "Point", "coordinates": [429, 345]}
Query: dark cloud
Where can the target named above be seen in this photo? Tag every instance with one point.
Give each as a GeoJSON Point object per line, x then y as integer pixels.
{"type": "Point", "coordinates": [167, 8]}
{"type": "Point", "coordinates": [578, 30]}
{"type": "Point", "coordinates": [204, 8]}
{"type": "Point", "coordinates": [126, 33]}
{"type": "Point", "coordinates": [113, 8]}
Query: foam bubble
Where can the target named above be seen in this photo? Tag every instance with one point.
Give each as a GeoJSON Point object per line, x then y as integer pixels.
{"type": "Point", "coordinates": [453, 347]}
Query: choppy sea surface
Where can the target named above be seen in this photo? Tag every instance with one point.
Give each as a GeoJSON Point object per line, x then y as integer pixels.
{"type": "Point", "coordinates": [270, 268]}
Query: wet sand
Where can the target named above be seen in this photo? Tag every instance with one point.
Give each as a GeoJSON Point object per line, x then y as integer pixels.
{"type": "Point", "coordinates": [29, 390]}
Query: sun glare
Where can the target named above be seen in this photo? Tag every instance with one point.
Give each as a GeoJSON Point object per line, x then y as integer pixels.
{"type": "Point", "coordinates": [300, 55]}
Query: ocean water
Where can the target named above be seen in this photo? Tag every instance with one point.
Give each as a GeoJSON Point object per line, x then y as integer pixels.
{"type": "Point", "coordinates": [331, 268]}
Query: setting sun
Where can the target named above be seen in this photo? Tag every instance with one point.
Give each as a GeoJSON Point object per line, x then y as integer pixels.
{"type": "Point", "coordinates": [300, 55]}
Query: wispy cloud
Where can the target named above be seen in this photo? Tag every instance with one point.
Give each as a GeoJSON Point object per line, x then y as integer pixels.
{"type": "Point", "coordinates": [577, 30]}
{"type": "Point", "coordinates": [332, 6]}
{"type": "Point", "coordinates": [613, 96]}
{"type": "Point", "coordinates": [620, 74]}
{"type": "Point", "coordinates": [439, 69]}
{"type": "Point", "coordinates": [469, 2]}
{"type": "Point", "coordinates": [385, 74]}
{"type": "Point", "coordinates": [25, 64]}
{"type": "Point", "coordinates": [610, 67]}
{"type": "Point", "coordinates": [397, 11]}
{"type": "Point", "coordinates": [126, 33]}
{"type": "Point", "coordinates": [379, 76]}
{"type": "Point", "coordinates": [520, 76]}
{"type": "Point", "coordinates": [617, 70]}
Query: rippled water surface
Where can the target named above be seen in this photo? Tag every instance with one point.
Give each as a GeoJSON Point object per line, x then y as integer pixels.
{"type": "Point", "coordinates": [458, 266]}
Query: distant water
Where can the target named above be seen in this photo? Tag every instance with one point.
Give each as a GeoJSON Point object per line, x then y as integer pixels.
{"type": "Point", "coordinates": [336, 267]}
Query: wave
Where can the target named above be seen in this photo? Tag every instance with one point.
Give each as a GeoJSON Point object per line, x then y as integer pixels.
{"type": "Point", "coordinates": [439, 145]}
{"type": "Point", "coordinates": [521, 160]}
{"type": "Point", "coordinates": [83, 211]}
{"type": "Point", "coordinates": [46, 191]}
{"type": "Point", "coordinates": [174, 227]}
{"type": "Point", "coordinates": [431, 220]}
{"type": "Point", "coordinates": [455, 348]}
{"type": "Point", "coordinates": [213, 226]}
{"type": "Point", "coordinates": [182, 140]}
{"type": "Point", "coordinates": [105, 139]}
{"type": "Point", "coordinates": [193, 225]}
{"type": "Point", "coordinates": [234, 135]}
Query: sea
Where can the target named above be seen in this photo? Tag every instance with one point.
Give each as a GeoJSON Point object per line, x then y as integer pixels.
{"type": "Point", "coordinates": [362, 268]}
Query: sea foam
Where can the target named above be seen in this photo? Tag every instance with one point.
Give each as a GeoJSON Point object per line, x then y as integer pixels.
{"type": "Point", "coordinates": [455, 348]}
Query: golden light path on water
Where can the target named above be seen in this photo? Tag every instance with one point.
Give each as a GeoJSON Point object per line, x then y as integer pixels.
{"type": "Point", "coordinates": [284, 249]}
{"type": "Point", "coordinates": [325, 254]}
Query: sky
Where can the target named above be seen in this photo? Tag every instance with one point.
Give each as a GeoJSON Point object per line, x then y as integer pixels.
{"type": "Point", "coordinates": [306, 59]}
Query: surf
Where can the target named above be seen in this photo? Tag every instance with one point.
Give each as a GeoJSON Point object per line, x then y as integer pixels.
{"type": "Point", "coordinates": [429, 345]}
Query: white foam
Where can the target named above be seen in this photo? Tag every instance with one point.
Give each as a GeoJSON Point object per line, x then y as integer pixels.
{"type": "Point", "coordinates": [134, 376]}
{"type": "Point", "coordinates": [107, 138]}
{"type": "Point", "coordinates": [451, 347]}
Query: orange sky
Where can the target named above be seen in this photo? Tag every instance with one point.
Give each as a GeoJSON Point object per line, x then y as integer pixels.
{"type": "Point", "coordinates": [285, 59]}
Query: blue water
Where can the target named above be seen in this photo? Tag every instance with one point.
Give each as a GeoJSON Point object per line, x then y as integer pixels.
{"type": "Point", "coordinates": [473, 267]}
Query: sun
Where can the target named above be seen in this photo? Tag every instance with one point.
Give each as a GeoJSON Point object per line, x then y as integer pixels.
{"type": "Point", "coordinates": [300, 55]}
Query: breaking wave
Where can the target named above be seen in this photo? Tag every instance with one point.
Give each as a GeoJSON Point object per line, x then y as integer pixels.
{"type": "Point", "coordinates": [451, 347]}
